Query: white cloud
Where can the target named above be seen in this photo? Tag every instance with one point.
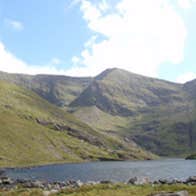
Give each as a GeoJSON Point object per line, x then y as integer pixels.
{"type": "Point", "coordinates": [14, 24]}
{"type": "Point", "coordinates": [71, 4]}
{"type": "Point", "coordinates": [55, 61]}
{"type": "Point", "coordinates": [103, 5]}
{"type": "Point", "coordinates": [185, 4]}
{"type": "Point", "coordinates": [140, 35]}
{"type": "Point", "coordinates": [186, 77]}
{"type": "Point", "coordinates": [12, 64]}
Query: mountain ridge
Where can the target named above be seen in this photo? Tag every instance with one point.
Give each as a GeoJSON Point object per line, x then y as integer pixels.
{"type": "Point", "coordinates": [155, 114]}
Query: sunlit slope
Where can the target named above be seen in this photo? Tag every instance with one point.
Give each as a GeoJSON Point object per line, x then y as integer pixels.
{"type": "Point", "coordinates": [33, 132]}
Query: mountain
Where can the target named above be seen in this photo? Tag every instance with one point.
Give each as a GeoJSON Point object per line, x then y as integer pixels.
{"type": "Point", "coordinates": [156, 114]}
{"type": "Point", "coordinates": [122, 93]}
{"type": "Point", "coordinates": [34, 132]}
{"type": "Point", "coordinates": [117, 113]}
{"type": "Point", "coordinates": [58, 90]}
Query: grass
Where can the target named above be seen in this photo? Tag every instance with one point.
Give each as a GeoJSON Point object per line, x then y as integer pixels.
{"type": "Point", "coordinates": [24, 142]}
{"type": "Point", "coordinates": [191, 157]}
{"type": "Point", "coordinates": [108, 190]}
{"type": "Point", "coordinates": [152, 101]}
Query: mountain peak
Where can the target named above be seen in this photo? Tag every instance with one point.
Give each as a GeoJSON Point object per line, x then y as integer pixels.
{"type": "Point", "coordinates": [105, 73]}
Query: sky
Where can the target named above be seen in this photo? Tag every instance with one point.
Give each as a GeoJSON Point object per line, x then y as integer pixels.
{"type": "Point", "coordinates": [154, 38]}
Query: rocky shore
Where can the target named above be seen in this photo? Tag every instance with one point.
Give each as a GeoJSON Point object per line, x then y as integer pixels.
{"type": "Point", "coordinates": [7, 183]}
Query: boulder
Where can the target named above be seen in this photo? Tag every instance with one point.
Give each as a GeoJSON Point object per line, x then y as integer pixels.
{"type": "Point", "coordinates": [164, 181]}
{"type": "Point", "coordinates": [38, 184]}
{"type": "Point", "coordinates": [47, 193]}
{"type": "Point", "coordinates": [6, 181]}
{"type": "Point", "coordinates": [139, 181]}
{"type": "Point", "coordinates": [92, 182]}
{"type": "Point", "coordinates": [180, 193]}
{"type": "Point", "coordinates": [79, 183]}
{"type": "Point", "coordinates": [191, 180]}
{"type": "Point", "coordinates": [74, 184]}
{"type": "Point", "coordinates": [33, 184]}
{"type": "Point", "coordinates": [105, 182]}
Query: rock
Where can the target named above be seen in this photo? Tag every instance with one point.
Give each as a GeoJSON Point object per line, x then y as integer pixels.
{"type": "Point", "coordinates": [79, 183]}
{"type": "Point", "coordinates": [180, 193]}
{"type": "Point", "coordinates": [6, 181]}
{"type": "Point", "coordinates": [70, 182]}
{"type": "Point", "coordinates": [105, 182]}
{"type": "Point", "coordinates": [139, 181]}
{"type": "Point", "coordinates": [38, 184]}
{"type": "Point", "coordinates": [60, 185]}
{"type": "Point", "coordinates": [21, 181]}
{"type": "Point", "coordinates": [191, 180]}
{"type": "Point", "coordinates": [56, 186]}
{"type": "Point", "coordinates": [92, 183]}
{"type": "Point", "coordinates": [47, 193]}
{"type": "Point", "coordinates": [74, 184]}
{"type": "Point", "coordinates": [32, 184]}
{"type": "Point", "coordinates": [164, 181]}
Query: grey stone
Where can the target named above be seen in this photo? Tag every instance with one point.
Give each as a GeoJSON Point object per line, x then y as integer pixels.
{"type": "Point", "coordinates": [164, 181]}
{"type": "Point", "coordinates": [6, 181]}
{"type": "Point", "coordinates": [105, 182]}
{"type": "Point", "coordinates": [139, 181]}
{"type": "Point", "coordinates": [47, 193]}
{"type": "Point", "coordinates": [191, 179]}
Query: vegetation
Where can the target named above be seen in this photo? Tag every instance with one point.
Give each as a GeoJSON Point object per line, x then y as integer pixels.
{"type": "Point", "coordinates": [58, 90]}
{"type": "Point", "coordinates": [125, 113]}
{"type": "Point", "coordinates": [191, 157]}
{"type": "Point", "coordinates": [35, 132]}
{"type": "Point", "coordinates": [105, 190]}
{"type": "Point", "coordinates": [156, 114]}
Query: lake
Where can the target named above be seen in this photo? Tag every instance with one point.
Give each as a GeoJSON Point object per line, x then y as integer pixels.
{"type": "Point", "coordinates": [116, 171]}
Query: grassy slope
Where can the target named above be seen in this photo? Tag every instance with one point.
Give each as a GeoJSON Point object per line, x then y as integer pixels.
{"type": "Point", "coordinates": [159, 111]}
{"type": "Point", "coordinates": [106, 190]}
{"type": "Point", "coordinates": [59, 90]}
{"type": "Point", "coordinates": [24, 142]}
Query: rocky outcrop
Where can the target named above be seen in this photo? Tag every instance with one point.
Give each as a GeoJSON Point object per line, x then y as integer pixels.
{"type": "Point", "coordinates": [139, 181]}
{"type": "Point", "coordinates": [72, 132]}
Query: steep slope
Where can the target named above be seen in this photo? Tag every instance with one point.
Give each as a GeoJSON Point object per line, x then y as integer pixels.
{"type": "Point", "coordinates": [190, 88]}
{"type": "Point", "coordinates": [59, 90]}
{"type": "Point", "coordinates": [153, 113]}
{"type": "Point", "coordinates": [125, 108]}
{"type": "Point", "coordinates": [33, 132]}
{"type": "Point", "coordinates": [122, 93]}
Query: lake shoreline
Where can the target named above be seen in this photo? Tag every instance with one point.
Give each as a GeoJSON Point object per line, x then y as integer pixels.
{"type": "Point", "coordinates": [30, 166]}
{"type": "Point", "coordinates": [83, 162]}
{"type": "Point", "coordinates": [96, 171]}
{"type": "Point", "coordinates": [7, 183]}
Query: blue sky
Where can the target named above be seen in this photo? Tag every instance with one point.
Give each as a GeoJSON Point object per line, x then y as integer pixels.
{"type": "Point", "coordinates": [83, 37]}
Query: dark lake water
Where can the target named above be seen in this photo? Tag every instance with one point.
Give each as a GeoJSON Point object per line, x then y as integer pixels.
{"type": "Point", "coordinates": [116, 171]}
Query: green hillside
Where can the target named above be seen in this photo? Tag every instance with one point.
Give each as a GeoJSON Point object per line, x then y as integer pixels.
{"type": "Point", "coordinates": [58, 90]}
{"type": "Point", "coordinates": [125, 111]}
{"type": "Point", "coordinates": [156, 114]}
{"type": "Point", "coordinates": [34, 132]}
